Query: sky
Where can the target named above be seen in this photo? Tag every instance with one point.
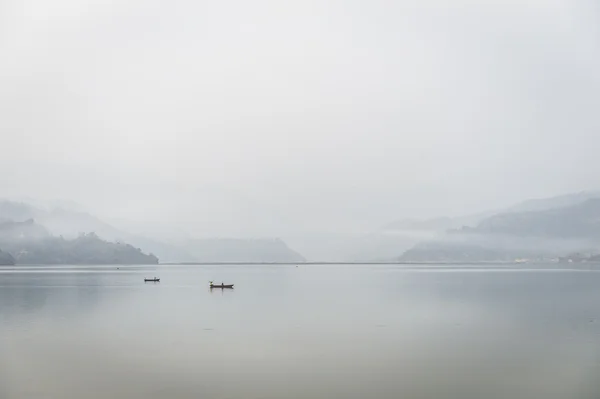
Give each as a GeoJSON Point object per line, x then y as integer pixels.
{"type": "Point", "coordinates": [268, 117]}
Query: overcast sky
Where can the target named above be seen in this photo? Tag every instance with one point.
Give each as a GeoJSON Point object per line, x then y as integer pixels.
{"type": "Point", "coordinates": [269, 115]}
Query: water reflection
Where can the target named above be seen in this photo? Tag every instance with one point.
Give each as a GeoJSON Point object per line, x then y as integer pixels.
{"type": "Point", "coordinates": [312, 332]}
{"type": "Point", "coordinates": [25, 294]}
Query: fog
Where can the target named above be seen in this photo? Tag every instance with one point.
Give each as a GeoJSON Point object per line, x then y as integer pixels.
{"type": "Point", "coordinates": [271, 118]}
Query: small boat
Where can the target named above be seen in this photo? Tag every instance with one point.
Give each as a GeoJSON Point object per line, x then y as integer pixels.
{"type": "Point", "coordinates": [220, 285]}
{"type": "Point", "coordinates": [152, 280]}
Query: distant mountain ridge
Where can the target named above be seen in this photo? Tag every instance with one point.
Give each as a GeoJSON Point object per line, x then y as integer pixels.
{"type": "Point", "coordinates": [70, 224]}
{"type": "Point", "coordinates": [87, 249]}
{"type": "Point", "coordinates": [559, 201]}
{"type": "Point", "coordinates": [543, 227]}
{"type": "Point", "coordinates": [540, 228]}
{"type": "Point", "coordinates": [578, 220]}
{"type": "Point", "coordinates": [443, 223]}
{"type": "Point", "coordinates": [24, 222]}
{"type": "Point", "coordinates": [30, 243]}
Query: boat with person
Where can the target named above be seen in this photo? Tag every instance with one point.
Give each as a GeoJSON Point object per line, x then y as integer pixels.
{"type": "Point", "coordinates": [222, 285]}
{"type": "Point", "coordinates": [152, 280]}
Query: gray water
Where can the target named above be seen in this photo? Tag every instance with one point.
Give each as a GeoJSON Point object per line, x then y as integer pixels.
{"type": "Point", "coordinates": [300, 332]}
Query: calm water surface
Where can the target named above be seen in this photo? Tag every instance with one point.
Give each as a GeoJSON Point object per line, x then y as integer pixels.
{"type": "Point", "coordinates": [300, 332]}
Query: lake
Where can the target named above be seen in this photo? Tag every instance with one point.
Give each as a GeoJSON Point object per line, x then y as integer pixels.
{"type": "Point", "coordinates": [313, 331]}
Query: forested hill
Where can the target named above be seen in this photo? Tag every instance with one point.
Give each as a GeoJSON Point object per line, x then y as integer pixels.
{"type": "Point", "coordinates": [30, 243]}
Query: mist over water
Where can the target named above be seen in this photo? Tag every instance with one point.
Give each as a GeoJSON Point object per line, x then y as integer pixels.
{"type": "Point", "coordinates": [299, 332]}
{"type": "Point", "coordinates": [140, 131]}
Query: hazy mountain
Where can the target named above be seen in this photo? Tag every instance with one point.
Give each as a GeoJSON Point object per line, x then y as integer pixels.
{"type": "Point", "coordinates": [579, 220]}
{"type": "Point", "coordinates": [550, 232]}
{"type": "Point", "coordinates": [444, 223]}
{"type": "Point", "coordinates": [87, 249]}
{"type": "Point", "coordinates": [440, 251]}
{"type": "Point", "coordinates": [559, 201]}
{"type": "Point", "coordinates": [242, 250]}
{"type": "Point", "coordinates": [70, 224]}
{"type": "Point", "coordinates": [567, 217]}
{"type": "Point", "coordinates": [17, 211]}
{"type": "Point", "coordinates": [381, 245]}
{"type": "Point", "coordinates": [30, 243]}
{"type": "Point", "coordinates": [395, 237]}
{"type": "Point", "coordinates": [494, 247]}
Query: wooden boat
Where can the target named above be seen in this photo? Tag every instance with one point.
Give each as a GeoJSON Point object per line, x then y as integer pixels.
{"type": "Point", "coordinates": [220, 285]}
{"type": "Point", "coordinates": [152, 280]}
